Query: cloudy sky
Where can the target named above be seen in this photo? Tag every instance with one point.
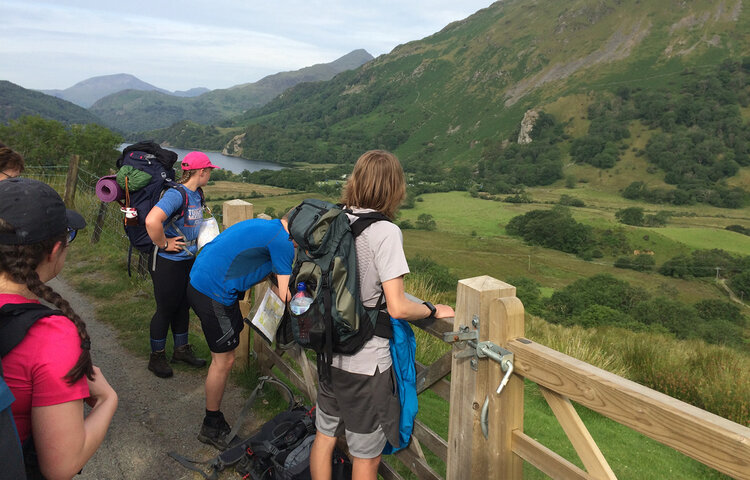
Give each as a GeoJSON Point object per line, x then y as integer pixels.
{"type": "Point", "coordinates": [179, 45]}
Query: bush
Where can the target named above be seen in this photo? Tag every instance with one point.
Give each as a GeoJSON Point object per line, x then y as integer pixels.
{"type": "Point", "coordinates": [643, 262]}
{"type": "Point", "coordinates": [436, 274]}
{"type": "Point", "coordinates": [426, 222]}
{"type": "Point", "coordinates": [624, 262]}
{"type": "Point", "coordinates": [630, 216]}
{"type": "Point", "coordinates": [740, 283]}
{"type": "Point", "coordinates": [529, 292]}
{"type": "Point", "coordinates": [570, 201]}
{"type": "Point", "coordinates": [405, 225]}
{"type": "Point", "coordinates": [738, 229]}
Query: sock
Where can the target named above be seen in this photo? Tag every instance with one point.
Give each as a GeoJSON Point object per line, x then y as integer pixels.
{"type": "Point", "coordinates": [158, 345]}
{"type": "Point", "coordinates": [180, 339]}
{"type": "Point", "coordinates": [213, 417]}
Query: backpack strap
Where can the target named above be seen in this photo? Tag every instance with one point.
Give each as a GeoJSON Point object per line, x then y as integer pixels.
{"type": "Point", "coordinates": [15, 321]}
{"type": "Point", "coordinates": [171, 220]}
{"type": "Point", "coordinates": [365, 220]}
{"type": "Point", "coordinates": [383, 326]}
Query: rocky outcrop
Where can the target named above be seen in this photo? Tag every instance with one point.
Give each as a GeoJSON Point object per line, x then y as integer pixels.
{"type": "Point", "coordinates": [234, 147]}
{"type": "Point", "coordinates": [527, 125]}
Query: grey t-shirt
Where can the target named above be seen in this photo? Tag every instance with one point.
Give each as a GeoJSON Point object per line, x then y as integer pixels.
{"type": "Point", "coordinates": [380, 257]}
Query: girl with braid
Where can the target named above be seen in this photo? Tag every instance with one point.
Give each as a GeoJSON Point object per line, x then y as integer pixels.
{"type": "Point", "coordinates": [49, 372]}
{"type": "Point", "coordinates": [175, 247]}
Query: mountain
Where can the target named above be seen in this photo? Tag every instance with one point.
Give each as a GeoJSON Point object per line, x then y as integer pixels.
{"type": "Point", "coordinates": [135, 111]}
{"type": "Point", "coordinates": [447, 103]}
{"type": "Point", "coordinates": [16, 101]}
{"type": "Point", "coordinates": [193, 92]}
{"type": "Point", "coordinates": [88, 91]}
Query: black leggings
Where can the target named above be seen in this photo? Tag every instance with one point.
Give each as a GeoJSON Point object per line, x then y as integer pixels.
{"type": "Point", "coordinates": [170, 279]}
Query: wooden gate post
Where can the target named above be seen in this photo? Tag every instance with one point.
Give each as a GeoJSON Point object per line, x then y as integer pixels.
{"type": "Point", "coordinates": [71, 181]}
{"type": "Point", "coordinates": [469, 453]}
{"type": "Point", "coordinates": [235, 211]}
{"type": "Point", "coordinates": [506, 409]}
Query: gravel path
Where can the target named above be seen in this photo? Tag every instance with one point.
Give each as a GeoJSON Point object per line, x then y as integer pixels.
{"type": "Point", "coordinates": [154, 416]}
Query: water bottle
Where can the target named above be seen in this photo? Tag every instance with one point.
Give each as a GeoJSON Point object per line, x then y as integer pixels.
{"type": "Point", "coordinates": [301, 300]}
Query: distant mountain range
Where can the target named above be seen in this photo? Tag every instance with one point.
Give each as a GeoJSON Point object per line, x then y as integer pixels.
{"type": "Point", "coordinates": [127, 104]}
{"type": "Point", "coordinates": [87, 92]}
{"type": "Point", "coordinates": [138, 110]}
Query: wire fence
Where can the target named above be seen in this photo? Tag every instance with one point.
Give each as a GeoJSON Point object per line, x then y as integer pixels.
{"type": "Point", "coordinates": [104, 220]}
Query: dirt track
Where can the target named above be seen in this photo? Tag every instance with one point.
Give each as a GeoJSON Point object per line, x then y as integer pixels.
{"type": "Point", "coordinates": [154, 415]}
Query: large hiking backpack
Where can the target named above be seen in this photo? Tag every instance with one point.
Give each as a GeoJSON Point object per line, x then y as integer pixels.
{"type": "Point", "coordinates": [145, 170]}
{"type": "Point", "coordinates": [326, 260]}
{"type": "Point", "coordinates": [279, 449]}
{"type": "Point", "coordinates": [15, 321]}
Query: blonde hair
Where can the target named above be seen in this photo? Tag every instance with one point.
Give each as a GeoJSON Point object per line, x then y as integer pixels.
{"type": "Point", "coordinates": [377, 182]}
{"type": "Point", "coordinates": [186, 174]}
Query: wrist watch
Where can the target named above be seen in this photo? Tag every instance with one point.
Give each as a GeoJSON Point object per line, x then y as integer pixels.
{"type": "Point", "coordinates": [166, 244]}
{"type": "Point", "coordinates": [432, 308]}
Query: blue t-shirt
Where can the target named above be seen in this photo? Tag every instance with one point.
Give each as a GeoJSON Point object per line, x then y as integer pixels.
{"type": "Point", "coordinates": [241, 256]}
{"type": "Point", "coordinates": [189, 223]}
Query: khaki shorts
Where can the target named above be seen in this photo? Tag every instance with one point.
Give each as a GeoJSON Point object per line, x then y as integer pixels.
{"type": "Point", "coordinates": [364, 408]}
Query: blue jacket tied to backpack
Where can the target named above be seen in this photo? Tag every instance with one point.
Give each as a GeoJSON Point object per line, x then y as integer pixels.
{"type": "Point", "coordinates": [403, 350]}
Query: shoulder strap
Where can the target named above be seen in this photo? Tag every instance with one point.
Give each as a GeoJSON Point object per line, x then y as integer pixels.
{"type": "Point", "coordinates": [185, 201]}
{"type": "Point", "coordinates": [15, 321]}
{"type": "Point", "coordinates": [365, 220]}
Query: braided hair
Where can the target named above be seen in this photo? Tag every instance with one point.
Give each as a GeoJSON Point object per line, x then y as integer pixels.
{"type": "Point", "coordinates": [20, 262]}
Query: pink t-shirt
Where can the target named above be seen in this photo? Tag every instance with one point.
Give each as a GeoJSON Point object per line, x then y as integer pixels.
{"type": "Point", "coordinates": [35, 369]}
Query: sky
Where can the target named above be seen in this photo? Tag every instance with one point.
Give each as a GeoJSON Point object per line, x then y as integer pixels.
{"type": "Point", "coordinates": [178, 45]}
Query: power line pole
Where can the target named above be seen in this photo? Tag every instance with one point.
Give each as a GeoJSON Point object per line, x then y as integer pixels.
{"type": "Point", "coordinates": [717, 273]}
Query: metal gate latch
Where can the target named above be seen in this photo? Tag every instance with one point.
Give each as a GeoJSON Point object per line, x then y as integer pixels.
{"type": "Point", "coordinates": [467, 337]}
{"type": "Point", "coordinates": [505, 359]}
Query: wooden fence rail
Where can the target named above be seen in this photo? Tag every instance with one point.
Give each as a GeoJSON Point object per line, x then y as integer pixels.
{"type": "Point", "coordinates": [488, 310]}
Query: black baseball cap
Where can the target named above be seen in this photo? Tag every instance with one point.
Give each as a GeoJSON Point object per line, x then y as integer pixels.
{"type": "Point", "coordinates": [35, 211]}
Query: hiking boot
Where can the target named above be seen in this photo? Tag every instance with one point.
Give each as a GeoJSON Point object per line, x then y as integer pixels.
{"type": "Point", "coordinates": [185, 354]}
{"type": "Point", "coordinates": [158, 364]}
{"type": "Point", "coordinates": [215, 433]}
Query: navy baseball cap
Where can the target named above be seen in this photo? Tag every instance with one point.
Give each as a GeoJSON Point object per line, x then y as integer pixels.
{"type": "Point", "coordinates": [35, 211]}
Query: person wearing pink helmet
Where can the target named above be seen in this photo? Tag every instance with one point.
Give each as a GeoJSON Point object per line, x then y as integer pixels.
{"type": "Point", "coordinates": [171, 261]}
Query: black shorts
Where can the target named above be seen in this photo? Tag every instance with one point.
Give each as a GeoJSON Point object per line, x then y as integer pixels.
{"type": "Point", "coordinates": [221, 324]}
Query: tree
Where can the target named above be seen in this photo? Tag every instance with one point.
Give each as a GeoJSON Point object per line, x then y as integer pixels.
{"type": "Point", "coordinates": [630, 216]}
{"type": "Point", "coordinates": [643, 262]}
{"type": "Point", "coordinates": [740, 283]}
{"type": "Point", "coordinates": [97, 147]}
{"type": "Point", "coordinates": [426, 222]}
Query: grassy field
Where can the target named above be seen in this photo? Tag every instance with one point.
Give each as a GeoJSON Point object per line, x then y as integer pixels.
{"type": "Point", "coordinates": [470, 239]}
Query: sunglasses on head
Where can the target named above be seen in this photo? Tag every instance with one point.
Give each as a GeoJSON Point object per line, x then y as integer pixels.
{"type": "Point", "coordinates": [71, 235]}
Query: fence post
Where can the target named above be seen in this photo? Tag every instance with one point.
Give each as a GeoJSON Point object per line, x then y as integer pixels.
{"type": "Point", "coordinates": [71, 181]}
{"type": "Point", "coordinates": [234, 211]}
{"type": "Point", "coordinates": [468, 451]}
{"type": "Point", "coordinates": [99, 223]}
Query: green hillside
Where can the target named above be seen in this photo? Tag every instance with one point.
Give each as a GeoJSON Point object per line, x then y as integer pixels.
{"type": "Point", "coordinates": [16, 102]}
{"type": "Point", "coordinates": [137, 110]}
{"type": "Point", "coordinates": [612, 74]}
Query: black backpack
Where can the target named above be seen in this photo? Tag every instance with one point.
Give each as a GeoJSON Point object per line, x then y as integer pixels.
{"type": "Point", "coordinates": [158, 162]}
{"type": "Point", "coordinates": [281, 449]}
{"type": "Point", "coordinates": [326, 260]}
{"type": "Point", "coordinates": [17, 461]}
